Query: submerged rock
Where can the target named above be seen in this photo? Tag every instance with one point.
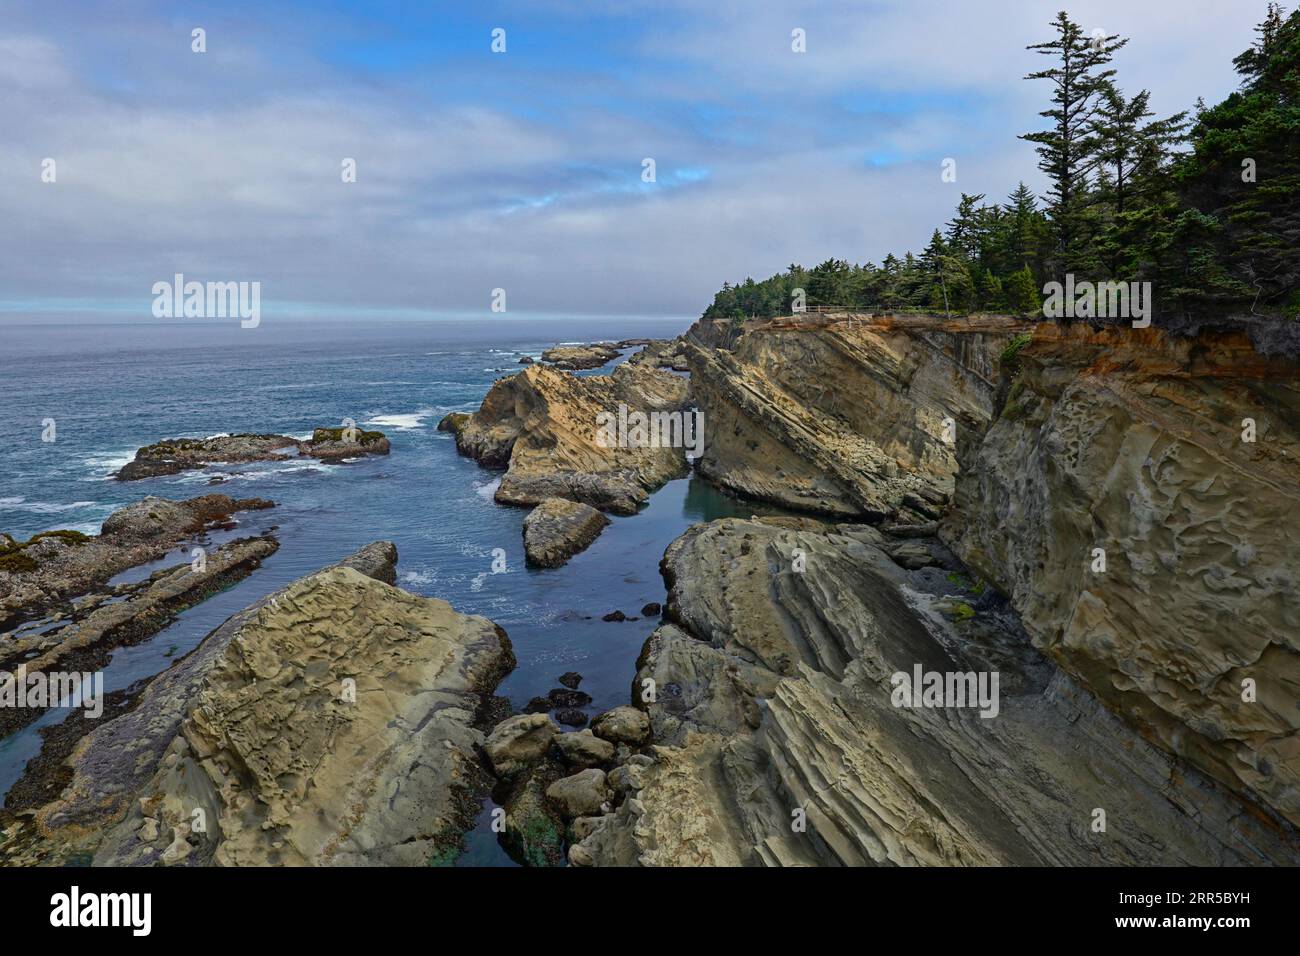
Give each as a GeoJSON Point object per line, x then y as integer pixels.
{"type": "Point", "coordinates": [558, 529]}
{"type": "Point", "coordinates": [533, 832]}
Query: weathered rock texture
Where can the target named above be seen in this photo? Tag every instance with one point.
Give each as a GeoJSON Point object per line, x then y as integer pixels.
{"type": "Point", "coordinates": [850, 415]}
{"type": "Point", "coordinates": [55, 566]}
{"type": "Point", "coordinates": [576, 357]}
{"type": "Point", "coordinates": [557, 529]}
{"type": "Point", "coordinates": [665, 354]}
{"type": "Point", "coordinates": [259, 730]}
{"type": "Point", "coordinates": [1132, 442]}
{"type": "Point", "coordinates": [541, 425]}
{"type": "Point", "coordinates": [174, 455]}
{"type": "Point", "coordinates": [773, 709]}
{"type": "Point", "coordinates": [84, 640]}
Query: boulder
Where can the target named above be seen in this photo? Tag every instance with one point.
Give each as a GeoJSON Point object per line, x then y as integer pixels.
{"type": "Point", "coordinates": [518, 742]}
{"type": "Point", "coordinates": [557, 529]}
{"type": "Point", "coordinates": [580, 795]}
{"type": "Point", "coordinates": [623, 725]}
{"type": "Point", "coordinates": [584, 749]}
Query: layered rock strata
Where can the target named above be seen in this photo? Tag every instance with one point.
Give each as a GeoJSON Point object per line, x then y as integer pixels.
{"type": "Point", "coordinates": [850, 416]}
{"type": "Point", "coordinates": [780, 738]}
{"type": "Point", "coordinates": [55, 566]}
{"type": "Point", "coordinates": [545, 428]}
{"type": "Point", "coordinates": [1138, 498]}
{"type": "Point", "coordinates": [332, 722]}
{"type": "Point", "coordinates": [557, 529]}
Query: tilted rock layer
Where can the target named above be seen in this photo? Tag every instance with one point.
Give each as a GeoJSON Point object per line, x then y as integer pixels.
{"type": "Point", "coordinates": [778, 741]}
{"type": "Point", "coordinates": [1131, 442]}
{"type": "Point", "coordinates": [557, 529]}
{"type": "Point", "coordinates": [846, 415]}
{"type": "Point", "coordinates": [295, 772]}
{"type": "Point", "coordinates": [330, 723]}
{"type": "Point", "coordinates": [543, 427]}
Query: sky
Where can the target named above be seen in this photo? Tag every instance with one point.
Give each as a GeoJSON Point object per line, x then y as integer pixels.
{"type": "Point", "coordinates": [522, 170]}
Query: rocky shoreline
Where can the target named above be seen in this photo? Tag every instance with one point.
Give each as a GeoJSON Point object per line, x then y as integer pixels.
{"type": "Point", "coordinates": [949, 483]}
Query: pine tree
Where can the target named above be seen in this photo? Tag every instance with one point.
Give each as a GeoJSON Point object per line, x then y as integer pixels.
{"type": "Point", "coordinates": [1022, 293]}
{"type": "Point", "coordinates": [1067, 150]}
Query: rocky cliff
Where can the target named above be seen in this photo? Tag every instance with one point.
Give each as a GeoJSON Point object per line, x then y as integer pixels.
{"type": "Point", "coordinates": [1119, 549]}
{"type": "Point", "coordinates": [849, 416]}
{"type": "Point", "coordinates": [780, 741]}
{"type": "Point", "coordinates": [1138, 498]}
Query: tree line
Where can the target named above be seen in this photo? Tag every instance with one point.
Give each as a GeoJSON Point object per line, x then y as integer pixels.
{"type": "Point", "coordinates": [1204, 204]}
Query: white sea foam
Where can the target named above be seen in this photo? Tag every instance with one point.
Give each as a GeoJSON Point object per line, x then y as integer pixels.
{"type": "Point", "coordinates": [487, 489]}
{"type": "Point", "coordinates": [108, 462]}
{"type": "Point", "coordinates": [419, 578]}
{"type": "Point", "coordinates": [407, 422]}
{"type": "Point", "coordinates": [44, 507]}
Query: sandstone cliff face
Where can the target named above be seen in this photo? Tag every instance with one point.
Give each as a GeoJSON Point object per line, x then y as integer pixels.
{"type": "Point", "coordinates": [777, 741]}
{"type": "Point", "coordinates": [1132, 442]}
{"type": "Point", "coordinates": [849, 416]}
{"type": "Point", "coordinates": [542, 426]}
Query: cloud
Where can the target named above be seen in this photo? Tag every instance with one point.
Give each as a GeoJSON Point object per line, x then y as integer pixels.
{"type": "Point", "coordinates": [524, 171]}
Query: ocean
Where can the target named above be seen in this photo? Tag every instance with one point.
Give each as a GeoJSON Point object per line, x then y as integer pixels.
{"type": "Point", "coordinates": [111, 388]}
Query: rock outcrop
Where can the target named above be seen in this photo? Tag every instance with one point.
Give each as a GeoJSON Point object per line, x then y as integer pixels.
{"type": "Point", "coordinates": [174, 455]}
{"type": "Point", "coordinates": [579, 357]}
{"type": "Point", "coordinates": [665, 354]}
{"type": "Point", "coordinates": [780, 737]}
{"type": "Point", "coordinates": [82, 641]}
{"type": "Point", "coordinates": [332, 722]}
{"type": "Point", "coordinates": [544, 427]}
{"type": "Point", "coordinates": [1138, 499]}
{"type": "Point", "coordinates": [557, 529]}
{"type": "Point", "coordinates": [849, 416]}
{"type": "Point", "coordinates": [57, 565]}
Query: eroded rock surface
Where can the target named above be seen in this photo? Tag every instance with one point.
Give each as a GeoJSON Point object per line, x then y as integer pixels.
{"type": "Point", "coordinates": [557, 529]}
{"type": "Point", "coordinates": [1133, 443]}
{"type": "Point", "coordinates": [174, 455]}
{"type": "Point", "coordinates": [57, 565]}
{"type": "Point", "coordinates": [542, 426]}
{"type": "Point", "coordinates": [777, 740]}
{"type": "Point", "coordinates": [578, 357]}
{"type": "Point", "coordinates": [849, 416]}
{"type": "Point", "coordinates": [83, 641]}
{"type": "Point", "coordinates": [329, 723]}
